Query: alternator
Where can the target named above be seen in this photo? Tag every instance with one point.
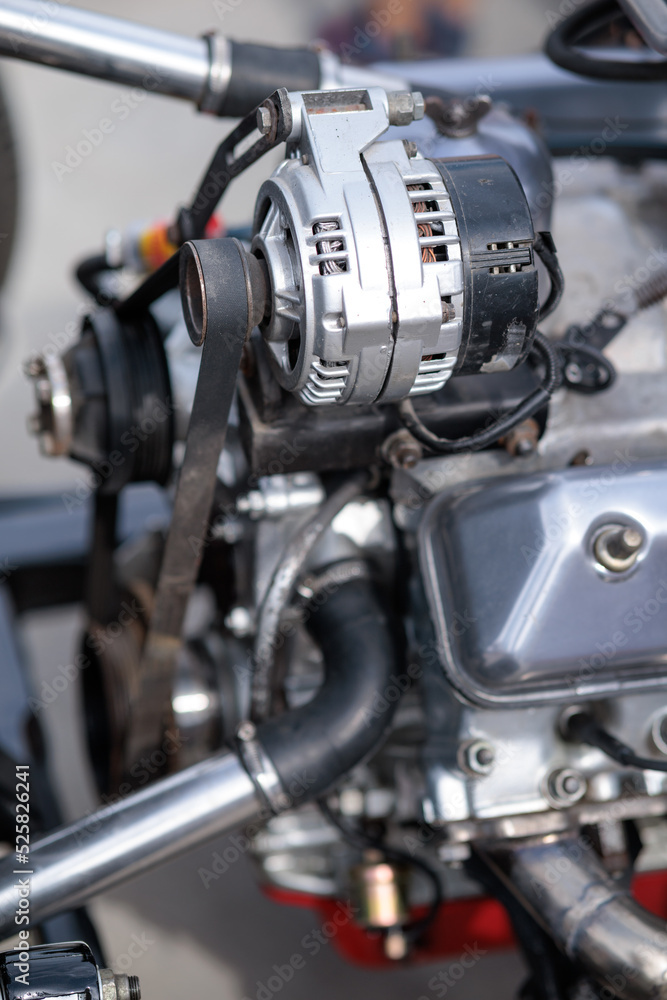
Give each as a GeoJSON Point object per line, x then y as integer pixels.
{"type": "Point", "coordinates": [389, 272]}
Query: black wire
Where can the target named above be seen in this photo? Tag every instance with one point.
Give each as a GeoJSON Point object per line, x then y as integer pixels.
{"type": "Point", "coordinates": [363, 841]}
{"type": "Point", "coordinates": [544, 247]}
{"type": "Point", "coordinates": [543, 351]}
{"type": "Point", "coordinates": [582, 728]}
{"type": "Point", "coordinates": [561, 48]}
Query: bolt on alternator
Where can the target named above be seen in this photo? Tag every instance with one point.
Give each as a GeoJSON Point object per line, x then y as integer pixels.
{"type": "Point", "coordinates": [405, 107]}
{"type": "Point", "coordinates": [264, 120]}
{"type": "Point", "coordinates": [617, 547]}
{"type": "Point", "coordinates": [448, 311]}
{"type": "Point", "coordinates": [402, 450]}
{"type": "Point", "coordinates": [119, 987]}
{"type": "Point", "coordinates": [522, 439]}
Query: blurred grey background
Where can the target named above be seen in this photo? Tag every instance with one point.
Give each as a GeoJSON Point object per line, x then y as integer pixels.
{"type": "Point", "coordinates": [180, 938]}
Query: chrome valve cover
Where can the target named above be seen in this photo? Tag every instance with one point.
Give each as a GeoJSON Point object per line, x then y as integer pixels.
{"type": "Point", "coordinates": [559, 580]}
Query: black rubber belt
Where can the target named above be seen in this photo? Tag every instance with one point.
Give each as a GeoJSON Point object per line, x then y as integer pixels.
{"type": "Point", "coordinates": [228, 328]}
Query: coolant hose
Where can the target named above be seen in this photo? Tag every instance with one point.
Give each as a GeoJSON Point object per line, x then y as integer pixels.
{"type": "Point", "coordinates": [310, 748]}
{"type": "Point", "coordinates": [283, 581]}
{"type": "Point", "coordinates": [350, 713]}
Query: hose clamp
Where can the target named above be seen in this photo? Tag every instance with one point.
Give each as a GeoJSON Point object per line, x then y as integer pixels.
{"type": "Point", "coordinates": [219, 74]}
{"type": "Point", "coordinates": [260, 767]}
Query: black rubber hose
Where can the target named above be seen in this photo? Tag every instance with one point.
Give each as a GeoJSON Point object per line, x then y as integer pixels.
{"type": "Point", "coordinates": [258, 70]}
{"type": "Point", "coordinates": [314, 746]}
{"type": "Point", "coordinates": [562, 48]}
{"type": "Point", "coordinates": [280, 587]}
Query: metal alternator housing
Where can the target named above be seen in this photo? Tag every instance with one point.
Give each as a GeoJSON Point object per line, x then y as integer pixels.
{"type": "Point", "coordinates": [389, 272]}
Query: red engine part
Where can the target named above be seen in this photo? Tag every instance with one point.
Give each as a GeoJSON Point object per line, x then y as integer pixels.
{"type": "Point", "coordinates": [479, 919]}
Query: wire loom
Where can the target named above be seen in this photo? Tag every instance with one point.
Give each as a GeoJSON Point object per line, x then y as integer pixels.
{"type": "Point", "coordinates": [541, 351]}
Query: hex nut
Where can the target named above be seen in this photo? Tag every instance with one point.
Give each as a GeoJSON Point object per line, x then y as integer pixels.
{"type": "Point", "coordinates": [404, 107]}
{"type": "Point", "coordinates": [119, 987]}
{"type": "Point", "coordinates": [476, 757]}
{"type": "Point", "coordinates": [564, 787]}
{"type": "Point", "coordinates": [264, 120]}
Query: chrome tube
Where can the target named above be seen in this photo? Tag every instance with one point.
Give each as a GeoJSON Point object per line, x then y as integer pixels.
{"type": "Point", "coordinates": [127, 838]}
{"type": "Point", "coordinates": [108, 48]}
{"type": "Point", "coordinates": [593, 918]}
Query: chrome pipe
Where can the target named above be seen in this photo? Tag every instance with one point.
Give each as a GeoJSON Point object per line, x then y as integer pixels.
{"type": "Point", "coordinates": [593, 918]}
{"type": "Point", "coordinates": [108, 48]}
{"type": "Point", "coordinates": [121, 841]}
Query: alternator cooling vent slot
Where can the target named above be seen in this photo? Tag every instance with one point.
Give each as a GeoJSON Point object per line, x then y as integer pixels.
{"type": "Point", "coordinates": [430, 221]}
{"type": "Point", "coordinates": [434, 372]}
{"type": "Point", "coordinates": [331, 254]}
{"type": "Point", "coordinates": [326, 382]}
{"type": "Point", "coordinates": [503, 258]}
